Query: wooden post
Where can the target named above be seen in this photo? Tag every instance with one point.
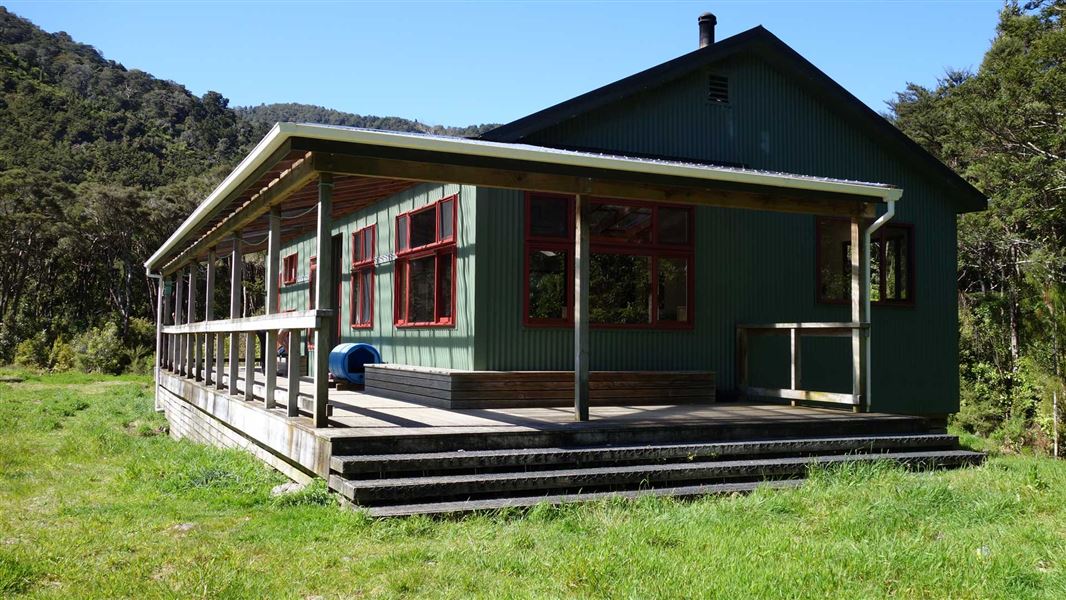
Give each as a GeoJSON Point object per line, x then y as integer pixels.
{"type": "Point", "coordinates": [273, 271]}
{"type": "Point", "coordinates": [249, 365]}
{"type": "Point", "coordinates": [794, 345]}
{"type": "Point", "coordinates": [859, 257]}
{"type": "Point", "coordinates": [581, 309]}
{"type": "Point", "coordinates": [168, 319]}
{"type": "Point", "coordinates": [323, 297]}
{"type": "Point", "coordinates": [209, 315]}
{"type": "Point", "coordinates": [179, 301]}
{"type": "Point", "coordinates": [293, 407]}
{"type": "Point", "coordinates": [236, 265]}
{"type": "Point", "coordinates": [194, 349]}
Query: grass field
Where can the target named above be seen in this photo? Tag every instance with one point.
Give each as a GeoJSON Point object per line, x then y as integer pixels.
{"type": "Point", "coordinates": [97, 501]}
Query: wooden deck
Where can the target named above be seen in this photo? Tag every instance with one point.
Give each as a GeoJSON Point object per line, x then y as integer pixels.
{"type": "Point", "coordinates": [369, 423]}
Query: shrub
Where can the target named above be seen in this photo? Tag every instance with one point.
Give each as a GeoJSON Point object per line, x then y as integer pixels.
{"type": "Point", "coordinates": [61, 357]}
{"type": "Point", "coordinates": [99, 350]}
{"type": "Point", "coordinates": [141, 333]}
{"type": "Point", "coordinates": [140, 360]}
{"type": "Point", "coordinates": [32, 352]}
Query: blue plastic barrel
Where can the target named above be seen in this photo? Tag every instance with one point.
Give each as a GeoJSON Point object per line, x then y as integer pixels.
{"type": "Point", "coordinates": [346, 361]}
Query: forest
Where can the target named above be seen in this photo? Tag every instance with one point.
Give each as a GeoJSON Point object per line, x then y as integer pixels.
{"type": "Point", "coordinates": [99, 162]}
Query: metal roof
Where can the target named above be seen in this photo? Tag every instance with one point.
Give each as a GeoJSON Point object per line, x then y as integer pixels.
{"type": "Point", "coordinates": [281, 132]}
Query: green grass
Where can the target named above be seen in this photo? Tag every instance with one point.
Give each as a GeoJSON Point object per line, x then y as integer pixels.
{"type": "Point", "coordinates": [97, 501]}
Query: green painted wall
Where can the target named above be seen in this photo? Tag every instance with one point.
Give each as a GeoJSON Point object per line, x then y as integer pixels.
{"type": "Point", "coordinates": [450, 347]}
{"type": "Point", "coordinates": [750, 266]}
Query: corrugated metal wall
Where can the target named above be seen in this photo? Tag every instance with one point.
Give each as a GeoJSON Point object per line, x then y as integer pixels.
{"type": "Point", "coordinates": [449, 347]}
{"type": "Point", "coordinates": [750, 266]}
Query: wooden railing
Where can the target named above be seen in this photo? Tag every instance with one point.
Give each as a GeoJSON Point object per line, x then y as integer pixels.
{"type": "Point", "coordinates": [195, 350]}
{"type": "Point", "coordinates": [795, 332]}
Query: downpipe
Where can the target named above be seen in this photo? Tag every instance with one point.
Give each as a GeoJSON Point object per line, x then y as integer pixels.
{"type": "Point", "coordinates": [158, 335]}
{"type": "Point", "coordinates": [866, 234]}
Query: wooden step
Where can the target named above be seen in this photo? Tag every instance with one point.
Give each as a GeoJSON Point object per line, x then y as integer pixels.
{"type": "Point", "coordinates": [618, 433]}
{"type": "Point", "coordinates": [383, 464]}
{"type": "Point", "coordinates": [465, 486]}
{"type": "Point", "coordinates": [465, 506]}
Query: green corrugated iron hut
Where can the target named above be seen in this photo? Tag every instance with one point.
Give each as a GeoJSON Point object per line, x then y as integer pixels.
{"type": "Point", "coordinates": [705, 216]}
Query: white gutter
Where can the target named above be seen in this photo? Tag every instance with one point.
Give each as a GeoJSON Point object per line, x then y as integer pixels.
{"type": "Point", "coordinates": [283, 131]}
{"type": "Point", "coordinates": [866, 234]}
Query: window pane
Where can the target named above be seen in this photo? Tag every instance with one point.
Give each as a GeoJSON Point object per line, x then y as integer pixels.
{"type": "Point", "coordinates": [620, 290]}
{"type": "Point", "coordinates": [423, 280]}
{"type": "Point", "coordinates": [876, 293]}
{"type": "Point", "coordinates": [447, 219]}
{"type": "Point", "coordinates": [311, 286]}
{"type": "Point", "coordinates": [364, 297]}
{"type": "Point", "coordinates": [834, 254]}
{"type": "Point", "coordinates": [401, 233]}
{"type": "Point", "coordinates": [630, 224]}
{"type": "Point", "coordinates": [547, 284]}
{"type": "Point", "coordinates": [368, 244]}
{"type": "Point", "coordinates": [673, 225]}
{"type": "Point", "coordinates": [444, 288]}
{"type": "Point", "coordinates": [673, 289]}
{"type": "Point", "coordinates": [401, 291]}
{"type": "Point", "coordinates": [423, 228]}
{"type": "Point", "coordinates": [549, 217]}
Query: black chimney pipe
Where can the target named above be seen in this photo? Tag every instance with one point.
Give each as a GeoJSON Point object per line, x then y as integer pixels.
{"type": "Point", "coordinates": [707, 23]}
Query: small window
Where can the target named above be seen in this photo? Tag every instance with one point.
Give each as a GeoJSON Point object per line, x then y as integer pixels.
{"type": "Point", "coordinates": [891, 262]}
{"type": "Point", "coordinates": [289, 268]}
{"type": "Point", "coordinates": [718, 89]}
{"type": "Point", "coordinates": [425, 266]}
{"type": "Point", "coordinates": [362, 298]}
{"type": "Point", "coordinates": [618, 223]}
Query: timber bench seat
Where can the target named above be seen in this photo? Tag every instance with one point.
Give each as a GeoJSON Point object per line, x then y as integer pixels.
{"type": "Point", "coordinates": [459, 389]}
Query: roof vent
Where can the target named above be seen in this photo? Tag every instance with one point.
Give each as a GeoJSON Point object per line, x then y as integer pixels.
{"type": "Point", "coordinates": [707, 22]}
{"type": "Point", "coordinates": [718, 89]}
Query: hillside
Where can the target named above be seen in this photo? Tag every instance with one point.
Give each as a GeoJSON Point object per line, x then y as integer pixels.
{"type": "Point", "coordinates": [268, 114]}
{"type": "Point", "coordinates": [98, 163]}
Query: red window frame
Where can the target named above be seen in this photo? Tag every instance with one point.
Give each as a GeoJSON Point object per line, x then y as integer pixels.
{"type": "Point", "coordinates": [289, 268]}
{"type": "Point", "coordinates": [442, 248]}
{"type": "Point", "coordinates": [880, 234]}
{"type": "Point", "coordinates": [362, 268]}
{"type": "Point", "coordinates": [654, 250]}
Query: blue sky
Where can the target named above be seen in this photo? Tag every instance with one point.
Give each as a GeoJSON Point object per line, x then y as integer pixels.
{"type": "Point", "coordinates": [459, 63]}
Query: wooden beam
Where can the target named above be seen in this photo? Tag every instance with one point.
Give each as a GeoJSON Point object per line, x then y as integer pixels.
{"type": "Point", "coordinates": [273, 274]}
{"type": "Point", "coordinates": [209, 315]}
{"type": "Point", "coordinates": [303, 319]}
{"type": "Point", "coordinates": [323, 298]}
{"type": "Point", "coordinates": [581, 308]}
{"type": "Point", "coordinates": [859, 256]}
{"type": "Point", "coordinates": [802, 395]}
{"type": "Point", "coordinates": [236, 286]}
{"type": "Point", "coordinates": [168, 318]}
{"type": "Point", "coordinates": [273, 194]}
{"type": "Point", "coordinates": [160, 292]}
{"type": "Point", "coordinates": [704, 193]}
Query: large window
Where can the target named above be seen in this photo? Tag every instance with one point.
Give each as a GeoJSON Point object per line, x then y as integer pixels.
{"type": "Point", "coordinates": [891, 262]}
{"type": "Point", "coordinates": [425, 265]}
{"type": "Point", "coordinates": [640, 269]}
{"type": "Point", "coordinates": [362, 308]}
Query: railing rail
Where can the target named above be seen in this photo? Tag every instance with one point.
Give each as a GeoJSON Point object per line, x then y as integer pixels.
{"type": "Point", "coordinates": [196, 351]}
{"type": "Point", "coordinates": [796, 331]}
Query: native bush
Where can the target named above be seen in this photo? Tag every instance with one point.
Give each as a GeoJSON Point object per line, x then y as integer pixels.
{"type": "Point", "coordinates": [62, 356]}
{"type": "Point", "coordinates": [99, 350]}
{"type": "Point", "coordinates": [32, 352]}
